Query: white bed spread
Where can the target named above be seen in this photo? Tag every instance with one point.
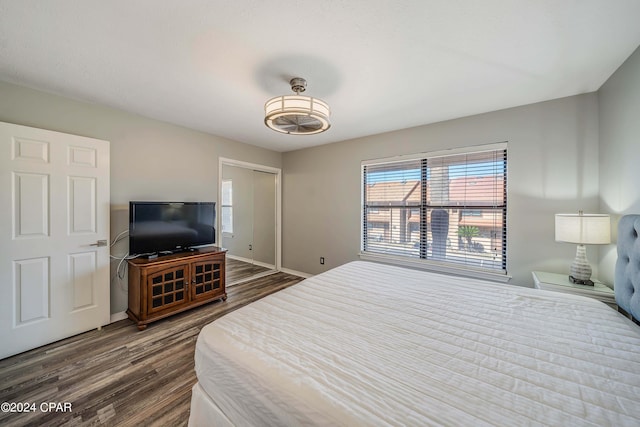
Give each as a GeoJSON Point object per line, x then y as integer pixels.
{"type": "Point", "coordinates": [369, 344]}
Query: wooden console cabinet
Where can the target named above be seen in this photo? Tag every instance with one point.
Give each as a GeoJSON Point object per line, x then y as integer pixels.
{"type": "Point", "coordinates": [173, 283]}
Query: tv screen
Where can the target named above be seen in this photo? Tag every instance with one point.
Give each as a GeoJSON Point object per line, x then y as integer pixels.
{"type": "Point", "coordinates": [170, 226]}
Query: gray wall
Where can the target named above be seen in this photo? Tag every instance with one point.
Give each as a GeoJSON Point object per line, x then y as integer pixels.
{"type": "Point", "coordinates": [619, 114]}
{"type": "Point", "coordinates": [150, 160]}
{"type": "Point", "coordinates": [556, 164]}
{"type": "Point", "coordinates": [552, 168]}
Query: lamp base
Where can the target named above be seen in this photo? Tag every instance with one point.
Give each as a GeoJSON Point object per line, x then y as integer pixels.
{"type": "Point", "coordinates": [580, 271]}
{"type": "Point", "coordinates": [580, 282]}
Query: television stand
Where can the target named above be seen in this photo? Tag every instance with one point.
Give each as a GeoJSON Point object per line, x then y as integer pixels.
{"type": "Point", "coordinates": [169, 284]}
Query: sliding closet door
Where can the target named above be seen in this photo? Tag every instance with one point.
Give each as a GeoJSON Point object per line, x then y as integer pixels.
{"type": "Point", "coordinates": [264, 218]}
{"type": "Point", "coordinates": [237, 232]}
{"type": "Point", "coordinates": [248, 211]}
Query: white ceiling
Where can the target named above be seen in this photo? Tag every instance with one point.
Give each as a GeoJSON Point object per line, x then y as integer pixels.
{"type": "Point", "coordinates": [382, 65]}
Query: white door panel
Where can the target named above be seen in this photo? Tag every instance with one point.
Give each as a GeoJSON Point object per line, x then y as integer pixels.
{"type": "Point", "coordinates": [54, 280]}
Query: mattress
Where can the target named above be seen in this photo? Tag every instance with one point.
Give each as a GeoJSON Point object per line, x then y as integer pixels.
{"type": "Point", "coordinates": [370, 344]}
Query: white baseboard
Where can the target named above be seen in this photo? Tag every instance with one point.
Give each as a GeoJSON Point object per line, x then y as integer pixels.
{"type": "Point", "coordinates": [115, 317]}
{"type": "Point", "coordinates": [265, 265]}
{"type": "Point", "coordinates": [248, 279]}
{"type": "Point", "coordinates": [296, 273]}
{"type": "Point", "coordinates": [239, 258]}
{"type": "Point", "coordinates": [251, 261]}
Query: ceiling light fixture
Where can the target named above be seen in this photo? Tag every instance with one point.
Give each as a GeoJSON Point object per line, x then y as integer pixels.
{"type": "Point", "coordinates": [297, 114]}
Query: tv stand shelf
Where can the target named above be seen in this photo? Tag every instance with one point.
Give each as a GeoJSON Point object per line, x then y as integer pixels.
{"type": "Point", "coordinates": [169, 284]}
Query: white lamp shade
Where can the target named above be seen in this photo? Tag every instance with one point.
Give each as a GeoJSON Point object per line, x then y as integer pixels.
{"type": "Point", "coordinates": [583, 229]}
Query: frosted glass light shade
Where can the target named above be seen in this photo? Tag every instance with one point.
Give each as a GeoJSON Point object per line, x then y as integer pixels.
{"type": "Point", "coordinates": [297, 115]}
{"type": "Point", "coordinates": [583, 229]}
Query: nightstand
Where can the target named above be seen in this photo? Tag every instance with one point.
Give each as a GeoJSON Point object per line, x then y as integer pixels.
{"type": "Point", "coordinates": [560, 283]}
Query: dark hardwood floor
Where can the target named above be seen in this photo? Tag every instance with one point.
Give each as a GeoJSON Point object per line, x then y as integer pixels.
{"type": "Point", "coordinates": [120, 376]}
{"type": "Point", "coordinates": [237, 271]}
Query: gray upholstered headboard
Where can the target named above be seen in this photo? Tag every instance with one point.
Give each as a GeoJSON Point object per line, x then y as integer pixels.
{"type": "Point", "coordinates": [627, 275]}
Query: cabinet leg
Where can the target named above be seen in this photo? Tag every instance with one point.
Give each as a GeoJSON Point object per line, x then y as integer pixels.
{"type": "Point", "coordinates": [142, 327]}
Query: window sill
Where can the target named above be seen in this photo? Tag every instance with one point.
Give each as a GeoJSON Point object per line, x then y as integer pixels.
{"type": "Point", "coordinates": [436, 267]}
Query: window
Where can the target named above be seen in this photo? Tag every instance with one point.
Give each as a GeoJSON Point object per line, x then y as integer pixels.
{"type": "Point", "coordinates": [446, 207]}
{"type": "Point", "coordinates": [227, 206]}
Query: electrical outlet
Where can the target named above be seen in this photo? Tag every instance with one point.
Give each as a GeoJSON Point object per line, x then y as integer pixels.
{"type": "Point", "coordinates": [322, 260]}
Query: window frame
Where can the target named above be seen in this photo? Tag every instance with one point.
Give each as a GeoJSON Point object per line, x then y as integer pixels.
{"type": "Point", "coordinates": [429, 263]}
{"type": "Point", "coordinates": [226, 206]}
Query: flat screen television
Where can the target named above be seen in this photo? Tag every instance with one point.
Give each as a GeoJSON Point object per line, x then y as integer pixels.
{"type": "Point", "coordinates": [159, 227]}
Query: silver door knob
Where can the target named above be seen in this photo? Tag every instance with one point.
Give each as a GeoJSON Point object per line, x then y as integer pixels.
{"type": "Point", "coordinates": [99, 243]}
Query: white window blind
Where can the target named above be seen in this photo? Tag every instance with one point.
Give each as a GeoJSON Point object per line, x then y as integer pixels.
{"type": "Point", "coordinates": [448, 208]}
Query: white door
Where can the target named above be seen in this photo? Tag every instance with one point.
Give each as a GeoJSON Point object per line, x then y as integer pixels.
{"type": "Point", "coordinates": [54, 209]}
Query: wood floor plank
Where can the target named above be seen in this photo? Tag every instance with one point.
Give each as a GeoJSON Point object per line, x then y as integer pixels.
{"type": "Point", "coordinates": [237, 270]}
{"type": "Point", "coordinates": [121, 376]}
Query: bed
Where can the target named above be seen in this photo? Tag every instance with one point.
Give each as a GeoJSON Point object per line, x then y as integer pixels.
{"type": "Point", "coordinates": [370, 344]}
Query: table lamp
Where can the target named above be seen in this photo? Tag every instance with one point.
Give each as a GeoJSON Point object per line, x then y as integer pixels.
{"type": "Point", "coordinates": [583, 229]}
